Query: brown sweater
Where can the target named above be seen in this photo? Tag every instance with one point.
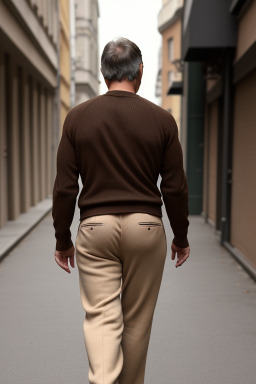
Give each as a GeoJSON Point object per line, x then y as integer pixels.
{"type": "Point", "coordinates": [119, 143]}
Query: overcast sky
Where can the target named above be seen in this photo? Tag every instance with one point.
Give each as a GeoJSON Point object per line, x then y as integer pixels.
{"type": "Point", "coordinates": [137, 21]}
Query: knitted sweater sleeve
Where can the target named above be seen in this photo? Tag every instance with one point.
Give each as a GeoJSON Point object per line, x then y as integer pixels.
{"type": "Point", "coordinates": [66, 187]}
{"type": "Point", "coordinates": [174, 186]}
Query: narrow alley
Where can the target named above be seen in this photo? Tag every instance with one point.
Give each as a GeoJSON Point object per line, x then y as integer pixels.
{"type": "Point", "coordinates": [52, 58]}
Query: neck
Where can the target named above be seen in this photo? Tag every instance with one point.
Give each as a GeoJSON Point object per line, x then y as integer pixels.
{"type": "Point", "coordinates": [124, 85]}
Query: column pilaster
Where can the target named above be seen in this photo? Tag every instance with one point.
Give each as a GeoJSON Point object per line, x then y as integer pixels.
{"type": "Point", "coordinates": [35, 155]}
{"type": "Point", "coordinates": [25, 145]}
{"type": "Point", "coordinates": [13, 144]}
{"type": "Point", "coordinates": [42, 144]}
{"type": "Point", "coordinates": [49, 144]}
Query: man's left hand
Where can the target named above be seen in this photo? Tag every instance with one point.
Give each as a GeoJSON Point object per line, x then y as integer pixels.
{"type": "Point", "coordinates": [62, 258]}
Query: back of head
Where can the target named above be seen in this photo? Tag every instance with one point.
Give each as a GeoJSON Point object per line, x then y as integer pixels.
{"type": "Point", "coordinates": [121, 60]}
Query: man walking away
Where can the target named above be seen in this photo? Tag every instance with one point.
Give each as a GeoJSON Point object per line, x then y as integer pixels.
{"type": "Point", "coordinates": [119, 143]}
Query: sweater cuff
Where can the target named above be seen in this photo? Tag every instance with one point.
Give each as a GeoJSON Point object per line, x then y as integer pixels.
{"type": "Point", "coordinates": [181, 242]}
{"type": "Point", "coordinates": [63, 241]}
{"type": "Point", "coordinates": [61, 246]}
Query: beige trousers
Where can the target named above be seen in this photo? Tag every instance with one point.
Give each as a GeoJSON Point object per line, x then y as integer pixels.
{"type": "Point", "coordinates": [120, 260]}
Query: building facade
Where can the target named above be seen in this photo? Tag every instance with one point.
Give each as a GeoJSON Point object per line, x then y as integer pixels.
{"type": "Point", "coordinates": [169, 25]}
{"type": "Point", "coordinates": [29, 127]}
{"type": "Point", "coordinates": [224, 65]}
{"type": "Point", "coordinates": [86, 55]}
{"type": "Point", "coordinates": [48, 63]}
{"type": "Point", "coordinates": [173, 97]}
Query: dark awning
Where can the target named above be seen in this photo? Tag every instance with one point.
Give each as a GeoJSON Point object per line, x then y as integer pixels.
{"type": "Point", "coordinates": [208, 26]}
{"type": "Point", "coordinates": [236, 6]}
{"type": "Point", "coordinates": [176, 88]}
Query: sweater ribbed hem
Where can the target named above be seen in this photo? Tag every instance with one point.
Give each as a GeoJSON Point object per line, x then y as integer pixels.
{"type": "Point", "coordinates": [120, 209]}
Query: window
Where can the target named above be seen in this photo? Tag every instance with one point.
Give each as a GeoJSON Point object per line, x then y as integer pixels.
{"type": "Point", "coordinates": [170, 78]}
{"type": "Point", "coordinates": [170, 49]}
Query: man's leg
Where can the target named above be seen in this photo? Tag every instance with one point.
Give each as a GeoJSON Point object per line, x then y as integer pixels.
{"type": "Point", "coordinates": [100, 286]}
{"type": "Point", "coordinates": [143, 257]}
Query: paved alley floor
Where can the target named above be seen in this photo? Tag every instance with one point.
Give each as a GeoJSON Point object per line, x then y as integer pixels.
{"type": "Point", "coordinates": [204, 329]}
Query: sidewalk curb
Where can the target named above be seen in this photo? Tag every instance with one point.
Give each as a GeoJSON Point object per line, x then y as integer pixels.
{"type": "Point", "coordinates": [234, 252]}
{"type": "Point", "coordinates": [241, 260]}
{"type": "Point", "coordinates": [25, 223]}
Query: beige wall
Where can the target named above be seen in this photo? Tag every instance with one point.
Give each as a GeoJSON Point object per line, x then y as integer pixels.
{"type": "Point", "coordinates": [243, 216]}
{"type": "Point", "coordinates": [26, 130]}
{"type": "Point", "coordinates": [246, 30]}
{"type": "Point", "coordinates": [243, 202]}
{"type": "Point", "coordinates": [170, 102]}
{"type": "Point", "coordinates": [28, 74]}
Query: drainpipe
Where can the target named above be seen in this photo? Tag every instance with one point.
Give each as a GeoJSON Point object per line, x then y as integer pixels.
{"type": "Point", "coordinates": [227, 146]}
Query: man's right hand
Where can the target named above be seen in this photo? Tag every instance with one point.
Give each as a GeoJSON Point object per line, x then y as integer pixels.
{"type": "Point", "coordinates": [182, 254]}
{"type": "Point", "coordinates": [62, 257]}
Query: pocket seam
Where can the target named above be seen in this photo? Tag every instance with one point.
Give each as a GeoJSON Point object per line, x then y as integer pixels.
{"type": "Point", "coordinates": [87, 225]}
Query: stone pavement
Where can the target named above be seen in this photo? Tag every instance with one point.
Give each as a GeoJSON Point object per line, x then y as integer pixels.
{"type": "Point", "coordinates": [204, 329]}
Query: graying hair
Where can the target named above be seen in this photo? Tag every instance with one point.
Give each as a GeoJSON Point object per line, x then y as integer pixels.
{"type": "Point", "coordinates": [121, 60]}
